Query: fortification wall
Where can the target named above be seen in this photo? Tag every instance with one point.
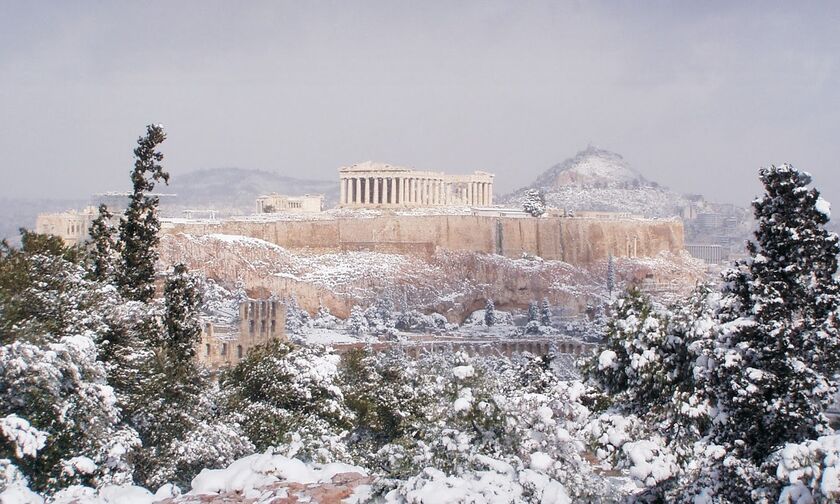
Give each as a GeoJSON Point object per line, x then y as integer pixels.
{"type": "Point", "coordinates": [573, 240]}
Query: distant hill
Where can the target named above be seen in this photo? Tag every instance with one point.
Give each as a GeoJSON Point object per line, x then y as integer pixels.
{"type": "Point", "coordinates": [233, 191]}
{"type": "Point", "coordinates": [600, 180]}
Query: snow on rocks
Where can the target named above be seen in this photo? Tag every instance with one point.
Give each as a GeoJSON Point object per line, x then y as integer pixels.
{"type": "Point", "coordinates": [500, 483]}
{"type": "Point", "coordinates": [266, 476]}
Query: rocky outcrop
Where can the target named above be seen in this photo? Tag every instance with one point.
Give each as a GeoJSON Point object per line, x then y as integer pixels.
{"type": "Point", "coordinates": [576, 241]}
{"type": "Point", "coordinates": [452, 283]}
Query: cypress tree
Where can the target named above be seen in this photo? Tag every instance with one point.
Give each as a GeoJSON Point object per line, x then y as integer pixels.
{"type": "Point", "coordinates": [489, 313]}
{"type": "Point", "coordinates": [183, 327]}
{"type": "Point", "coordinates": [545, 313]}
{"type": "Point", "coordinates": [104, 248]}
{"type": "Point", "coordinates": [140, 225]}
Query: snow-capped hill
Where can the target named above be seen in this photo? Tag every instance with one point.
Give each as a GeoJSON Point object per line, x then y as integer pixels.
{"type": "Point", "coordinates": [603, 181]}
{"type": "Point", "coordinates": [591, 167]}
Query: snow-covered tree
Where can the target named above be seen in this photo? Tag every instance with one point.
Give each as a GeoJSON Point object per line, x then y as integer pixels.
{"type": "Point", "coordinates": [297, 319]}
{"type": "Point", "coordinates": [357, 323]}
{"type": "Point", "coordinates": [45, 293]}
{"type": "Point", "coordinates": [629, 366]}
{"type": "Point", "coordinates": [59, 422]}
{"type": "Point", "coordinates": [545, 313]}
{"type": "Point", "coordinates": [533, 312]}
{"type": "Point", "coordinates": [182, 300]}
{"type": "Point", "coordinates": [779, 347]}
{"type": "Point", "coordinates": [489, 313]}
{"type": "Point", "coordinates": [610, 275]}
{"type": "Point", "coordinates": [139, 227]}
{"type": "Point", "coordinates": [280, 390]}
{"type": "Point", "coordinates": [534, 202]}
{"type": "Point", "coordinates": [103, 247]}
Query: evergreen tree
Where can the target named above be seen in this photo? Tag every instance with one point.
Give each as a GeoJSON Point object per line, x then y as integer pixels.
{"type": "Point", "coordinates": [610, 275]}
{"type": "Point", "coordinates": [533, 312]}
{"type": "Point", "coordinates": [489, 313]}
{"type": "Point", "coordinates": [545, 313]}
{"type": "Point", "coordinates": [140, 225]}
{"type": "Point", "coordinates": [183, 327]}
{"type": "Point", "coordinates": [781, 346]}
{"type": "Point", "coordinates": [630, 367]}
{"type": "Point", "coordinates": [104, 248]}
{"type": "Point", "coordinates": [772, 369]}
{"type": "Point", "coordinates": [44, 294]}
{"type": "Point", "coordinates": [534, 202]}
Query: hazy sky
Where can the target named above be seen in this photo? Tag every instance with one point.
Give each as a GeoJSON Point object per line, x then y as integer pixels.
{"type": "Point", "coordinates": [695, 95]}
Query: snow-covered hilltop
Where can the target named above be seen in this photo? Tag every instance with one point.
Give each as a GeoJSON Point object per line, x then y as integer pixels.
{"type": "Point", "coordinates": [600, 180]}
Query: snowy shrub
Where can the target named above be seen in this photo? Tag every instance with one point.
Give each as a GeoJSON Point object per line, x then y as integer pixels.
{"type": "Point", "coordinates": [810, 471]}
{"type": "Point", "coordinates": [297, 319]}
{"type": "Point", "coordinates": [380, 316]}
{"type": "Point", "coordinates": [325, 319]}
{"type": "Point", "coordinates": [61, 424]}
{"type": "Point", "coordinates": [534, 202]}
{"type": "Point", "coordinates": [420, 322]}
{"type": "Point", "coordinates": [278, 386]}
{"type": "Point", "coordinates": [478, 318]}
{"type": "Point", "coordinates": [357, 322]}
{"type": "Point", "coordinates": [490, 481]}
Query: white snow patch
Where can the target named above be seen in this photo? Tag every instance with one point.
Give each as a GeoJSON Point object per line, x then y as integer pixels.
{"type": "Point", "coordinates": [824, 207]}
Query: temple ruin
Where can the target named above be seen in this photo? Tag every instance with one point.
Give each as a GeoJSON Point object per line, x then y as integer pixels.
{"type": "Point", "coordinates": [378, 185]}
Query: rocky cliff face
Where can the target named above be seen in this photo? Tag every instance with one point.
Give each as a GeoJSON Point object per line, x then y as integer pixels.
{"type": "Point", "coordinates": [453, 283]}
{"type": "Point", "coordinates": [573, 240]}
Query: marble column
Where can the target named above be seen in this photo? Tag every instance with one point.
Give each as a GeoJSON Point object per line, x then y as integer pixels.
{"type": "Point", "coordinates": [375, 197]}
{"type": "Point", "coordinates": [343, 189]}
{"type": "Point", "coordinates": [357, 192]}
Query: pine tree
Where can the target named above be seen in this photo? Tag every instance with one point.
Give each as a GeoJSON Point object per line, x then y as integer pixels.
{"type": "Point", "coordinates": [610, 275]}
{"type": "Point", "coordinates": [545, 313]}
{"type": "Point", "coordinates": [534, 202]}
{"type": "Point", "coordinates": [140, 225]}
{"type": "Point", "coordinates": [779, 347]}
{"type": "Point", "coordinates": [489, 313]}
{"type": "Point", "coordinates": [104, 249]}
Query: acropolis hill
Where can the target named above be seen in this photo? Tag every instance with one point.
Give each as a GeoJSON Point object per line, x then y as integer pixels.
{"type": "Point", "coordinates": [392, 209]}
{"type": "Point", "coordinates": [574, 240]}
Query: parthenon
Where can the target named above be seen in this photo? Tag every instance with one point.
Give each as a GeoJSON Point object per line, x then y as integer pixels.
{"type": "Point", "coordinates": [379, 185]}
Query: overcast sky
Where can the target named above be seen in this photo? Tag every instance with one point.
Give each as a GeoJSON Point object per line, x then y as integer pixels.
{"type": "Point", "coordinates": [695, 95]}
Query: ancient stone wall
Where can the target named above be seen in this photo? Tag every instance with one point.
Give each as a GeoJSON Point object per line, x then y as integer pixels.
{"type": "Point", "coordinates": [573, 240]}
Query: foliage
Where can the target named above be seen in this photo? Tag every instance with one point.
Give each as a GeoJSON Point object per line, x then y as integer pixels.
{"type": "Point", "coordinates": [534, 203]}
{"type": "Point", "coordinates": [489, 313]}
{"type": "Point", "coordinates": [138, 232]}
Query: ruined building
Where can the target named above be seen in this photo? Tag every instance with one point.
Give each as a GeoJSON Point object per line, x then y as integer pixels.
{"type": "Point", "coordinates": [272, 203]}
{"type": "Point", "coordinates": [379, 185]}
{"type": "Point", "coordinates": [224, 345]}
{"type": "Point", "coordinates": [71, 226]}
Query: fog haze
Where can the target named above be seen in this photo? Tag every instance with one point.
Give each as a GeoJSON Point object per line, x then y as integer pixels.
{"type": "Point", "coordinates": [696, 97]}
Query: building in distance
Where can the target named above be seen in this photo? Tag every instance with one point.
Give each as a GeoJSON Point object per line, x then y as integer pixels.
{"type": "Point", "coordinates": [381, 185]}
{"type": "Point", "coordinates": [274, 203]}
